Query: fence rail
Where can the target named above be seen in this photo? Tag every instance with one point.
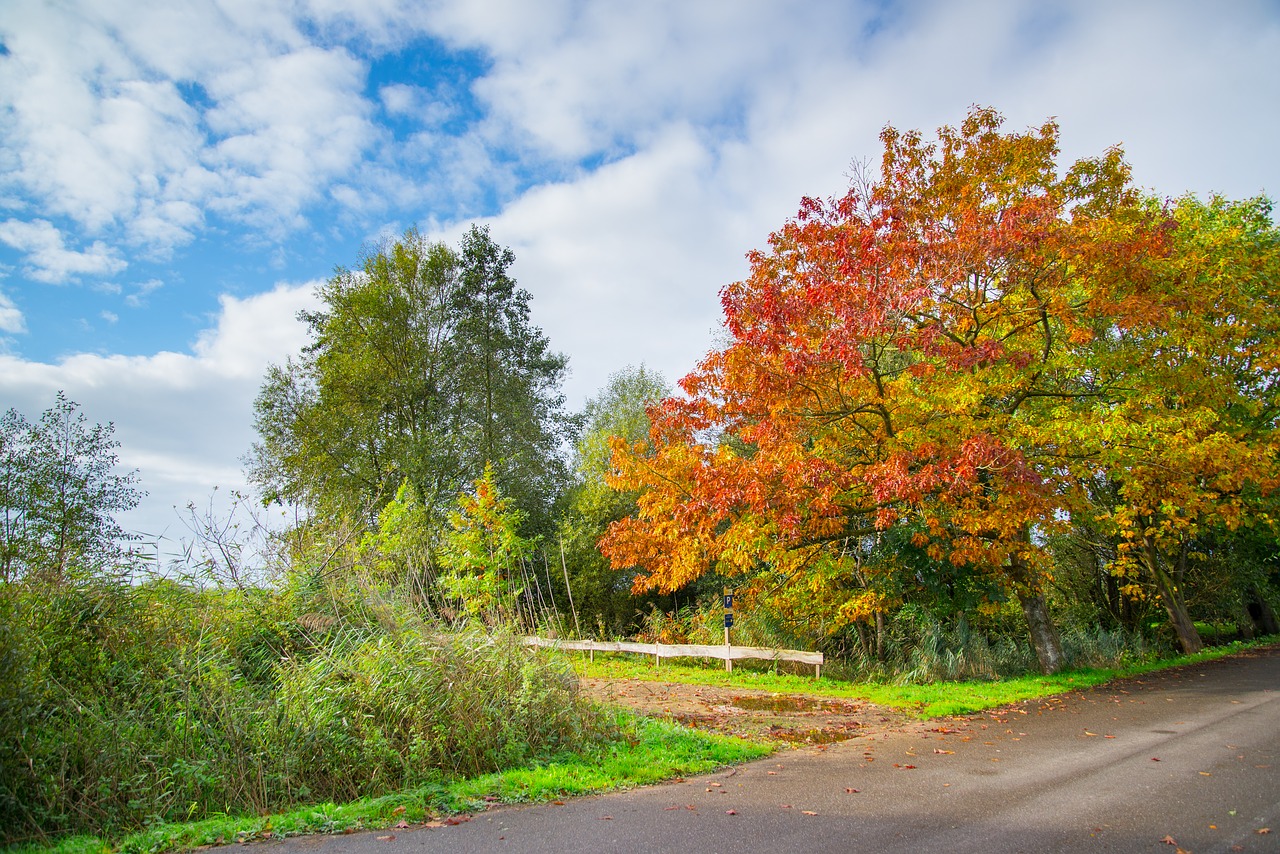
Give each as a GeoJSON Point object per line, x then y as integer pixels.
{"type": "Point", "coordinates": [725, 652]}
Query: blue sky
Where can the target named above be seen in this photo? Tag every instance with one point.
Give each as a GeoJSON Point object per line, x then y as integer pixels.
{"type": "Point", "coordinates": [175, 177]}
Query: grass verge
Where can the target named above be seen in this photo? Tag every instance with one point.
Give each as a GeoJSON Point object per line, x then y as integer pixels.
{"type": "Point", "coordinates": [937, 699]}
{"type": "Point", "coordinates": [647, 751]}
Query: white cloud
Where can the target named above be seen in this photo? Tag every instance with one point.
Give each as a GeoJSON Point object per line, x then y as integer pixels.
{"type": "Point", "coordinates": [133, 120]}
{"type": "Point", "coordinates": [399, 99]}
{"type": "Point", "coordinates": [138, 298]}
{"type": "Point", "coordinates": [11, 319]}
{"type": "Point", "coordinates": [576, 79]}
{"type": "Point", "coordinates": [48, 257]}
{"type": "Point", "coordinates": [182, 419]}
{"type": "Point", "coordinates": [626, 261]}
{"type": "Point", "coordinates": [711, 120]}
{"type": "Point", "coordinates": [286, 127]}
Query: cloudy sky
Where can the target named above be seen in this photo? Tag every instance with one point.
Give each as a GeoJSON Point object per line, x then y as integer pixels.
{"type": "Point", "coordinates": [175, 177]}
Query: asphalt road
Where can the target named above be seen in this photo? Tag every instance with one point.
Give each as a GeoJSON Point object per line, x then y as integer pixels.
{"type": "Point", "coordinates": [1183, 760]}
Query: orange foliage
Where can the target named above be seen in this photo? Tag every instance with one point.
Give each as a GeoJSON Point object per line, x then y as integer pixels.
{"type": "Point", "coordinates": [920, 350]}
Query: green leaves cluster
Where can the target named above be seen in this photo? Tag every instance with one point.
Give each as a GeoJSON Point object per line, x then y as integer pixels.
{"type": "Point", "coordinates": [423, 366]}
{"type": "Point", "coordinates": [59, 491]}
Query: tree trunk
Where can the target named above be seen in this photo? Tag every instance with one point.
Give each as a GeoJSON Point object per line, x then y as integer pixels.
{"type": "Point", "coordinates": [880, 636]}
{"type": "Point", "coordinates": [1044, 635]}
{"type": "Point", "coordinates": [1264, 619]}
{"type": "Point", "coordinates": [1171, 598]}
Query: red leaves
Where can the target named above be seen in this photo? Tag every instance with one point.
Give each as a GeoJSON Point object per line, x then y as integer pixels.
{"type": "Point", "coordinates": [896, 357]}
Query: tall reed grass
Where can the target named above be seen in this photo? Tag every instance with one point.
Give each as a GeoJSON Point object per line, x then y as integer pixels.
{"type": "Point", "coordinates": [125, 706]}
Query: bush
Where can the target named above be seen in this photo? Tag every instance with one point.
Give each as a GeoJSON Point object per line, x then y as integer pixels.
{"type": "Point", "coordinates": [123, 706]}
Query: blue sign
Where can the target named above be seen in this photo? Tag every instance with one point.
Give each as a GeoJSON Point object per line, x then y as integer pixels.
{"type": "Point", "coordinates": [728, 601]}
{"type": "Point", "coordinates": [728, 620]}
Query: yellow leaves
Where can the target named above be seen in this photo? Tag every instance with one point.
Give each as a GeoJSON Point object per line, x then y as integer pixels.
{"type": "Point", "coordinates": [949, 349]}
{"type": "Point", "coordinates": [863, 606]}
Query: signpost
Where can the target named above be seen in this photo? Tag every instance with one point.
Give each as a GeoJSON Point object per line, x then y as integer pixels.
{"type": "Point", "coordinates": [728, 624]}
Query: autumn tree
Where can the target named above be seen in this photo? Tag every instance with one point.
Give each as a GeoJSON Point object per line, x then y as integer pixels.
{"type": "Point", "coordinates": [900, 358]}
{"type": "Point", "coordinates": [484, 554]}
{"type": "Point", "coordinates": [1185, 437]}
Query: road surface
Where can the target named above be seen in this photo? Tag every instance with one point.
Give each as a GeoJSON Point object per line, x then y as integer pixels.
{"type": "Point", "coordinates": [1182, 760]}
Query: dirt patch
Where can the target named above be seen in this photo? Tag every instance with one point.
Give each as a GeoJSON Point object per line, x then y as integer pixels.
{"type": "Point", "coordinates": [755, 714]}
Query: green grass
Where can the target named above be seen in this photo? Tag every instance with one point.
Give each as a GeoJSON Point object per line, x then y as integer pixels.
{"type": "Point", "coordinates": [937, 699]}
{"type": "Point", "coordinates": [648, 751]}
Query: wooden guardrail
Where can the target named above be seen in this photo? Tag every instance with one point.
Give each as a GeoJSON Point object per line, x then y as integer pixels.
{"type": "Point", "coordinates": [725, 652]}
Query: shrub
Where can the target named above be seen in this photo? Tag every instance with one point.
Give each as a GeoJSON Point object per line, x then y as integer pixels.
{"type": "Point", "coordinates": [123, 706]}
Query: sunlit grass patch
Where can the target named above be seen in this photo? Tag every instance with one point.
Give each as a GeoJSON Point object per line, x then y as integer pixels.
{"type": "Point", "coordinates": [935, 699]}
{"type": "Point", "coordinates": [646, 751]}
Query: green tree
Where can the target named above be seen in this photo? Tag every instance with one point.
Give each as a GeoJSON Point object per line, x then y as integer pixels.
{"type": "Point", "coordinates": [509, 404]}
{"type": "Point", "coordinates": [422, 367]}
{"type": "Point", "coordinates": [59, 491]}
{"type": "Point", "coordinates": [368, 403]}
{"type": "Point", "coordinates": [620, 412]}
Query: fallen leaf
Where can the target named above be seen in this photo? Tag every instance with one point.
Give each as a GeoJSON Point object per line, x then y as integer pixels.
{"type": "Point", "coordinates": [771, 773]}
{"type": "Point", "coordinates": [398, 810]}
{"type": "Point", "coordinates": [671, 808]}
{"type": "Point", "coordinates": [850, 791]}
{"type": "Point", "coordinates": [940, 750]}
{"type": "Point", "coordinates": [434, 823]}
{"type": "Point", "coordinates": [785, 806]}
{"type": "Point", "coordinates": [606, 818]}
{"type": "Point", "coordinates": [386, 838]}
{"type": "Point", "coordinates": [401, 825]}
{"type": "Point", "coordinates": [1168, 840]}
{"type": "Point", "coordinates": [1154, 759]}
{"type": "Point", "coordinates": [730, 812]}
{"type": "Point", "coordinates": [1086, 732]}
{"type": "Point", "coordinates": [1263, 830]}
{"type": "Point", "coordinates": [811, 812]}
{"type": "Point", "coordinates": [1205, 774]}
{"type": "Point", "coordinates": [557, 803]}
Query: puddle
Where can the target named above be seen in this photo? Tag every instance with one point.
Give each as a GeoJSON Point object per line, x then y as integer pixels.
{"type": "Point", "coordinates": [784, 704]}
